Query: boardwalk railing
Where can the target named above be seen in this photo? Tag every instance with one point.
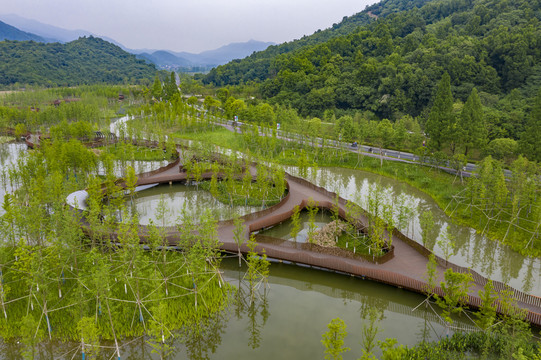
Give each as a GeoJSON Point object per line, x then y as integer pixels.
{"type": "Point", "coordinates": [340, 263]}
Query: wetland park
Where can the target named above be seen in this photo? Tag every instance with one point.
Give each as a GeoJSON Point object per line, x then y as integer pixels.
{"type": "Point", "coordinates": [369, 191]}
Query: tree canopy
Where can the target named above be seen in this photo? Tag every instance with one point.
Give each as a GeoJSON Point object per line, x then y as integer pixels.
{"type": "Point", "coordinates": [88, 60]}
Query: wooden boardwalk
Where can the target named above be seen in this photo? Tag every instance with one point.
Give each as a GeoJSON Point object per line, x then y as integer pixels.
{"type": "Point", "coordinates": [404, 266]}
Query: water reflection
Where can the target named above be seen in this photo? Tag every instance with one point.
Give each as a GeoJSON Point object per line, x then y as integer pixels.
{"type": "Point", "coordinates": [202, 340]}
{"type": "Point", "coordinates": [10, 153]}
{"type": "Point", "coordinates": [485, 256]}
{"type": "Point", "coordinates": [170, 200]}
{"type": "Point", "coordinates": [286, 322]}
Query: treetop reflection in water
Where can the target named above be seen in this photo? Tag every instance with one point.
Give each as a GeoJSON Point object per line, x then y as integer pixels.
{"type": "Point", "coordinates": [489, 258]}
{"type": "Point", "coordinates": [172, 199]}
{"type": "Point", "coordinates": [288, 322]}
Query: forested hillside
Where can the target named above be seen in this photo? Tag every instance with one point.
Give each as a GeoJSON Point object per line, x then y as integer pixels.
{"type": "Point", "coordinates": [259, 66]}
{"type": "Point", "coordinates": [84, 61]}
{"type": "Point", "coordinates": [392, 66]}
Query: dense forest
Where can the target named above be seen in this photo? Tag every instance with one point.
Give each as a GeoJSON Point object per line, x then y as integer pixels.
{"type": "Point", "coordinates": [257, 66]}
{"type": "Point", "coordinates": [391, 67]}
{"type": "Point", "coordinates": [84, 61]}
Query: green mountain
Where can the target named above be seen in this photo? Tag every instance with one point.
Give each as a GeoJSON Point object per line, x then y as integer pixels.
{"type": "Point", "coordinates": [8, 32]}
{"type": "Point", "coordinates": [87, 60]}
{"type": "Point", "coordinates": [390, 66]}
{"type": "Point", "coordinates": [260, 65]}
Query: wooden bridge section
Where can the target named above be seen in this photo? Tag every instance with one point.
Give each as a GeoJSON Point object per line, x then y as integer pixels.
{"type": "Point", "coordinates": [403, 266]}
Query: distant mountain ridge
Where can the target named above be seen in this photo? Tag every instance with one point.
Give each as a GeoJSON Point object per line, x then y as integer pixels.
{"type": "Point", "coordinates": [226, 53]}
{"type": "Point", "coordinates": [166, 59]}
{"type": "Point", "coordinates": [210, 58]}
{"type": "Point", "coordinates": [88, 60]}
{"type": "Point", "coordinates": [8, 32]}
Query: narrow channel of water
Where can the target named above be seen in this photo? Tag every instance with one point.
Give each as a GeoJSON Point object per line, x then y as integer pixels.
{"type": "Point", "coordinates": [487, 257]}
{"type": "Point", "coordinates": [9, 155]}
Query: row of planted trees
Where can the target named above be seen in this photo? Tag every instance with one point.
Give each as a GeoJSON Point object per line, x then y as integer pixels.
{"type": "Point", "coordinates": [491, 335]}
{"type": "Point", "coordinates": [35, 109]}
{"type": "Point", "coordinates": [60, 282]}
{"type": "Point", "coordinates": [507, 204]}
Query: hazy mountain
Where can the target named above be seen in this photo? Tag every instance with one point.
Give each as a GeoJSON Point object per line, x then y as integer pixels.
{"type": "Point", "coordinates": [225, 53]}
{"type": "Point", "coordinates": [222, 55]}
{"type": "Point", "coordinates": [161, 58]}
{"type": "Point", "coordinates": [164, 59]}
{"type": "Point", "coordinates": [48, 32]}
{"type": "Point", "coordinates": [8, 32]}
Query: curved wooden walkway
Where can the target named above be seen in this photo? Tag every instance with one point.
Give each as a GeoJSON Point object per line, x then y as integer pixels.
{"type": "Point", "coordinates": [404, 266]}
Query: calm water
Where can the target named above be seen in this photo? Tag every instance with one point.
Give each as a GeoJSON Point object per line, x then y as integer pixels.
{"type": "Point", "coordinates": [172, 199]}
{"type": "Point", "coordinates": [487, 257]}
{"type": "Point", "coordinates": [288, 322]}
{"type": "Point", "coordinates": [301, 301]}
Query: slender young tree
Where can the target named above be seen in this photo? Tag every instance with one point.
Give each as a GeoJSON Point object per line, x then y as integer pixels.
{"type": "Point", "coordinates": [333, 339]}
{"type": "Point", "coordinates": [426, 221]}
{"type": "Point", "coordinates": [258, 268]}
{"type": "Point", "coordinates": [157, 89]}
{"type": "Point", "coordinates": [447, 244]}
{"type": "Point", "coordinates": [455, 288]}
{"type": "Point", "coordinates": [487, 313]}
{"type": "Point", "coordinates": [431, 275]}
{"type": "Point", "coordinates": [295, 224]}
{"type": "Point", "coordinates": [238, 235]}
{"type": "Point", "coordinates": [312, 211]}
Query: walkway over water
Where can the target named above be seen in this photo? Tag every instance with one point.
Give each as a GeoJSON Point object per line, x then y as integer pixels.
{"type": "Point", "coordinates": [403, 266]}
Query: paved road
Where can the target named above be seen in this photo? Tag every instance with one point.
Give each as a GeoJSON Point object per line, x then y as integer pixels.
{"type": "Point", "coordinates": [386, 154]}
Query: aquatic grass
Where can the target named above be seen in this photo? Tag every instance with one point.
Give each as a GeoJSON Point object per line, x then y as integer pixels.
{"type": "Point", "coordinates": [6, 139]}
{"type": "Point", "coordinates": [219, 136]}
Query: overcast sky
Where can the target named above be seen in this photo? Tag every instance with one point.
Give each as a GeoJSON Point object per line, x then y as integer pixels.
{"type": "Point", "coordinates": [193, 26]}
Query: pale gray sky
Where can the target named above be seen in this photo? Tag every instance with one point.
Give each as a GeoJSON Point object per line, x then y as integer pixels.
{"type": "Point", "coordinates": [193, 26]}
